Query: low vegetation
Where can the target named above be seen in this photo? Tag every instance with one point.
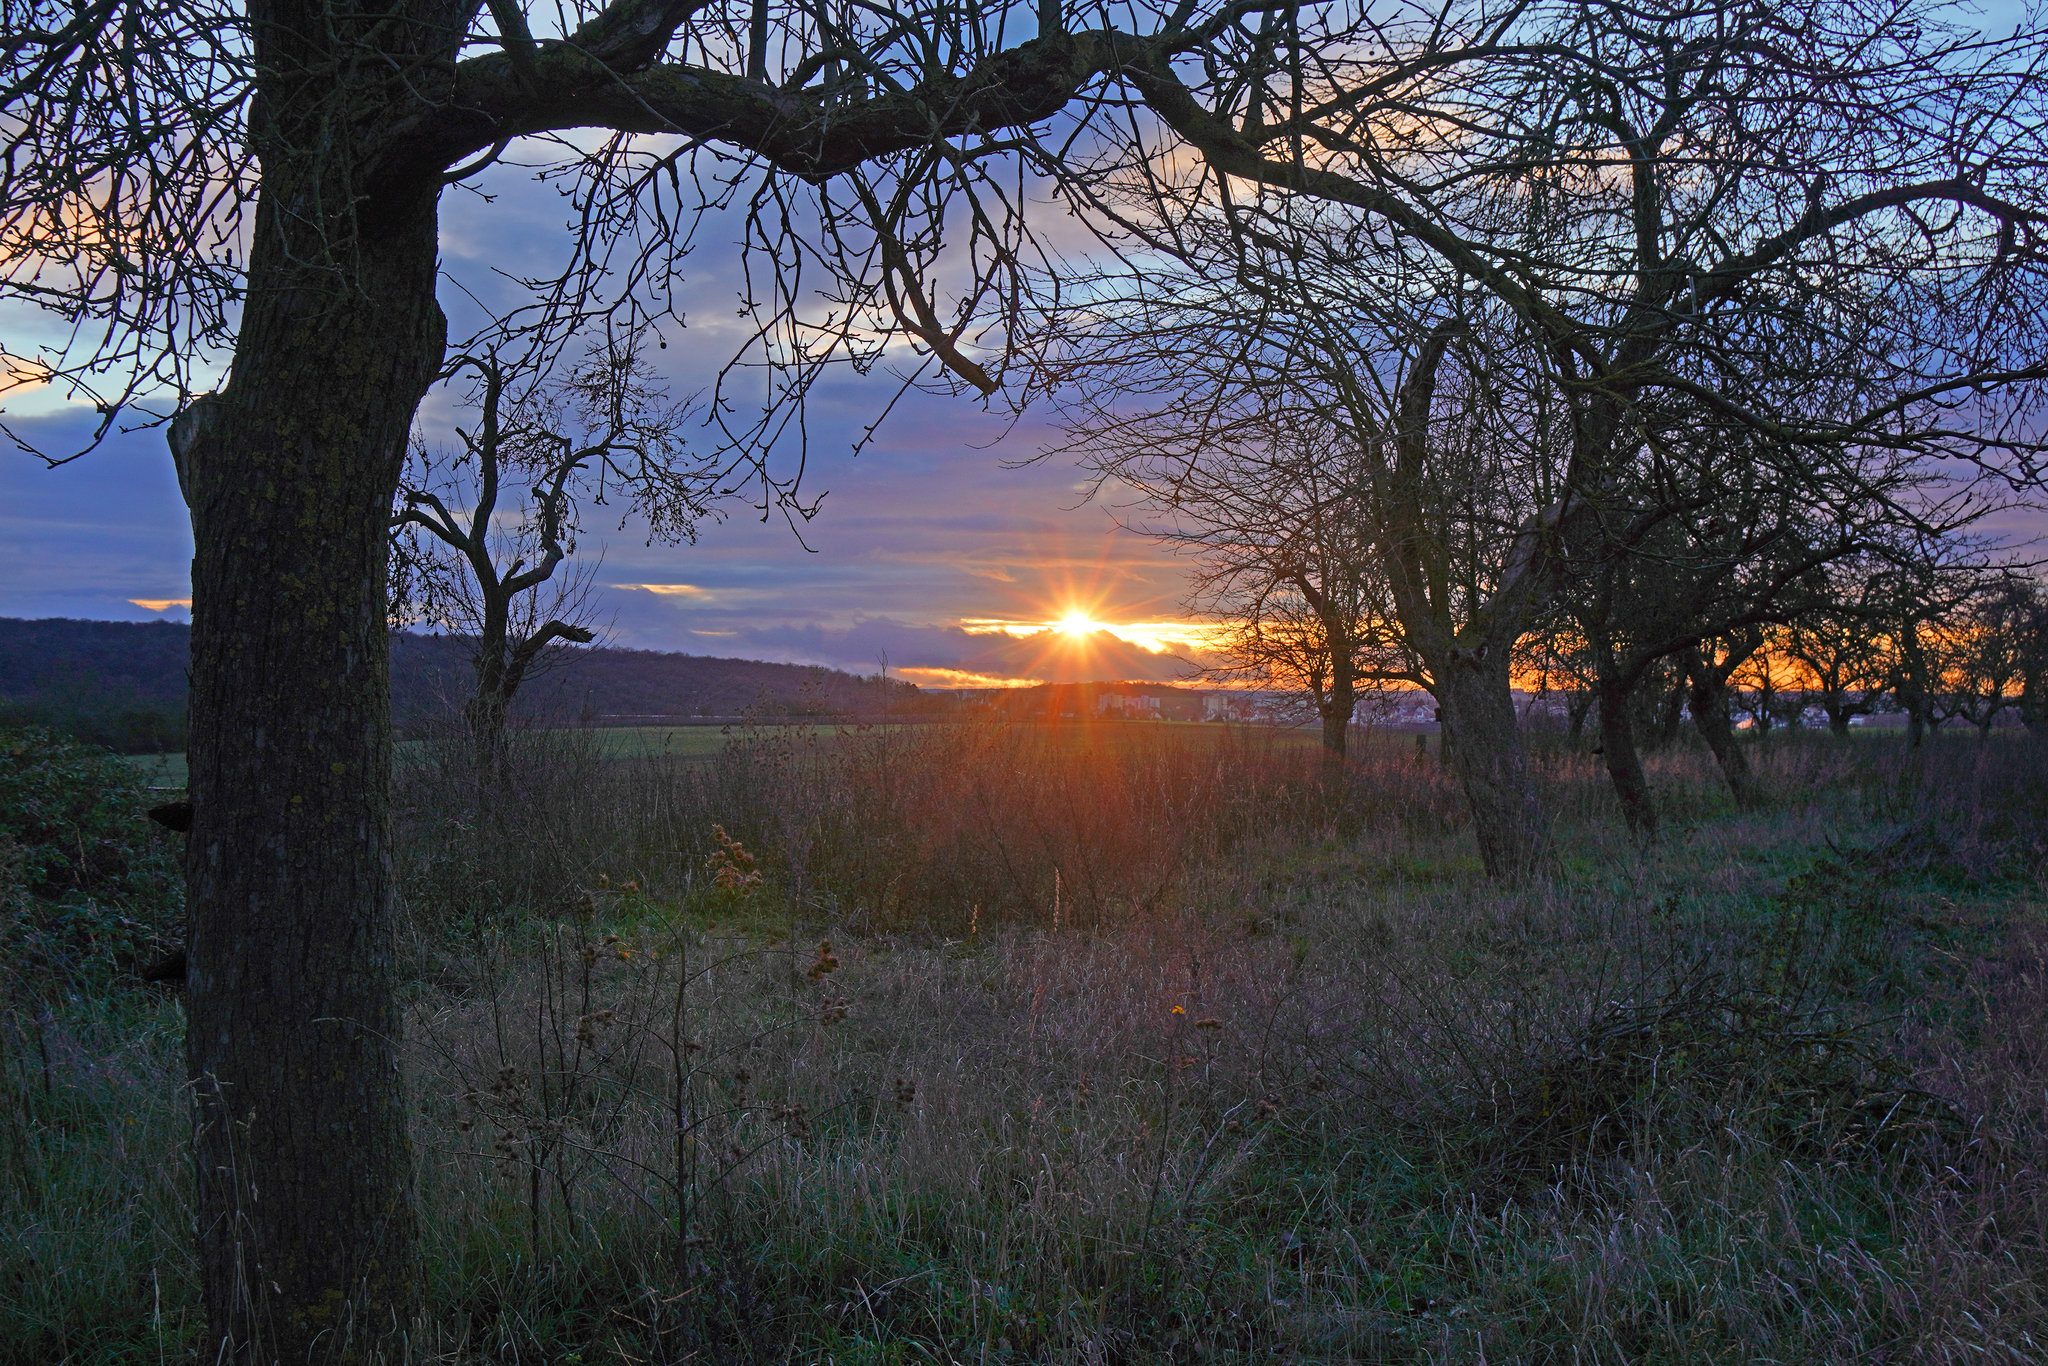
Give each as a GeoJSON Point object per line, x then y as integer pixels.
{"type": "Point", "coordinates": [1116, 1043]}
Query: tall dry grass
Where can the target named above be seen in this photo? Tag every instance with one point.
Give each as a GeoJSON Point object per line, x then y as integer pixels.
{"type": "Point", "coordinates": [895, 828]}
{"type": "Point", "coordinates": [1273, 1074]}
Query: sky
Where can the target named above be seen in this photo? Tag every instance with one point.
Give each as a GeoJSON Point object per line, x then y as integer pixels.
{"type": "Point", "coordinates": [929, 555]}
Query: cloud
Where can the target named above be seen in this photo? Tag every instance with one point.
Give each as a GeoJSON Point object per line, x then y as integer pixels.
{"type": "Point", "coordinates": [945, 656]}
{"type": "Point", "coordinates": [92, 537]}
{"type": "Point", "coordinates": [161, 604]}
{"type": "Point", "coordinates": [667, 590]}
{"type": "Point", "coordinates": [1053, 656]}
{"type": "Point", "coordinates": [924, 529]}
{"type": "Point", "coordinates": [959, 678]}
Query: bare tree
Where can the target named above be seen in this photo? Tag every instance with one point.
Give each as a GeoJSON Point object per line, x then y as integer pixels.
{"type": "Point", "coordinates": [1283, 563]}
{"type": "Point", "coordinates": [1698, 544]}
{"type": "Point", "coordinates": [184, 184]}
{"type": "Point", "coordinates": [1841, 648]}
{"type": "Point", "coordinates": [1767, 683]}
{"type": "Point", "coordinates": [1447, 451]}
{"type": "Point", "coordinates": [2028, 619]}
{"type": "Point", "coordinates": [1709, 665]}
{"type": "Point", "coordinates": [1707, 207]}
{"type": "Point", "coordinates": [1982, 653]}
{"type": "Point", "coordinates": [1918, 592]}
{"type": "Point", "coordinates": [482, 534]}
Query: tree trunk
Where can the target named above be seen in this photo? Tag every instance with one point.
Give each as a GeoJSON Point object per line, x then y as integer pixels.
{"type": "Point", "coordinates": [486, 715]}
{"type": "Point", "coordinates": [1335, 708]}
{"type": "Point", "coordinates": [1671, 713]}
{"type": "Point", "coordinates": [1336, 729]}
{"type": "Point", "coordinates": [489, 707]}
{"type": "Point", "coordinates": [304, 1172]}
{"type": "Point", "coordinates": [1624, 764]}
{"type": "Point", "coordinates": [1477, 708]}
{"type": "Point", "coordinates": [1917, 708]}
{"type": "Point", "coordinates": [1576, 709]}
{"type": "Point", "coordinates": [1710, 719]}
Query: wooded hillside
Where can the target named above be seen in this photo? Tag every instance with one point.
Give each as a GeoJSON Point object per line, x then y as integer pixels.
{"type": "Point", "coordinates": [123, 684]}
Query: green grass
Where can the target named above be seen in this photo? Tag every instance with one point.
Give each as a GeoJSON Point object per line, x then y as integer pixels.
{"type": "Point", "coordinates": [1298, 1084]}
{"type": "Point", "coordinates": [703, 742]}
{"type": "Point", "coordinates": [159, 770]}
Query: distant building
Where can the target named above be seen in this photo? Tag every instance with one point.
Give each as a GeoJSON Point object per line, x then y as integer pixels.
{"type": "Point", "coordinates": [1230, 706]}
{"type": "Point", "coordinates": [1131, 707]}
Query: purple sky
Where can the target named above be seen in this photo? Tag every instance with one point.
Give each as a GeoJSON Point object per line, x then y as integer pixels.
{"type": "Point", "coordinates": [921, 538]}
{"type": "Point", "coordinates": [922, 532]}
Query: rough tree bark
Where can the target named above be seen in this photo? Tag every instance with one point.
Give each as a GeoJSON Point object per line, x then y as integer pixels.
{"type": "Point", "coordinates": [293, 1026]}
{"type": "Point", "coordinates": [1469, 663]}
{"type": "Point", "coordinates": [1480, 730]}
{"type": "Point", "coordinates": [1336, 719]}
{"type": "Point", "coordinates": [304, 1174]}
{"type": "Point", "coordinates": [1624, 761]}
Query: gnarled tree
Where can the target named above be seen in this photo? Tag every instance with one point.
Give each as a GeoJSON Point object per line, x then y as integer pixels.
{"type": "Point", "coordinates": [482, 534]}
{"type": "Point", "coordinates": [184, 184]}
{"type": "Point", "coordinates": [1284, 565]}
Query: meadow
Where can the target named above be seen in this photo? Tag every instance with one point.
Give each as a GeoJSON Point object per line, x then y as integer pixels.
{"type": "Point", "coordinates": [168, 771]}
{"type": "Point", "coordinates": [1119, 1043]}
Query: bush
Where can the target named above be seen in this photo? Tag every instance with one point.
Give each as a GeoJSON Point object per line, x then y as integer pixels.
{"type": "Point", "coordinates": [87, 884]}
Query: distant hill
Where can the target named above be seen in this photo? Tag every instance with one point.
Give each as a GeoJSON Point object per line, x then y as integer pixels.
{"type": "Point", "coordinates": [430, 676]}
{"type": "Point", "coordinates": [122, 684]}
{"type": "Point", "coordinates": [144, 659]}
{"type": "Point", "coordinates": [114, 683]}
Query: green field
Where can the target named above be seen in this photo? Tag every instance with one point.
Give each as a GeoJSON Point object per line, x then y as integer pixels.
{"type": "Point", "coordinates": [1133, 1042]}
{"type": "Point", "coordinates": [632, 742]}
{"type": "Point", "coordinates": [702, 742]}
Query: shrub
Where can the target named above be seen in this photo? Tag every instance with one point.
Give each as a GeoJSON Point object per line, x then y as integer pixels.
{"type": "Point", "coordinates": [87, 882]}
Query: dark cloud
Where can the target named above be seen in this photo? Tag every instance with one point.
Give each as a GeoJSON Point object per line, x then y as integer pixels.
{"type": "Point", "coordinates": [83, 539]}
{"type": "Point", "coordinates": [922, 531]}
{"type": "Point", "coordinates": [942, 655]}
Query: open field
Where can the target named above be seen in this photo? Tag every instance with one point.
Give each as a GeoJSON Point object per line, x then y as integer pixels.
{"type": "Point", "coordinates": [623, 742]}
{"type": "Point", "coordinates": [1144, 1043]}
{"type": "Point", "coordinates": [702, 742]}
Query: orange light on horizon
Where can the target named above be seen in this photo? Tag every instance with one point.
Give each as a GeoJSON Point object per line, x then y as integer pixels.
{"type": "Point", "coordinates": [1076, 627]}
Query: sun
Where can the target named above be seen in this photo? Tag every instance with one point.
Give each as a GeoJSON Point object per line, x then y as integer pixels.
{"type": "Point", "coordinates": [1077, 623]}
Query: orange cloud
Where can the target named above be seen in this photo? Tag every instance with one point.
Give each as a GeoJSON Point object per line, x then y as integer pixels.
{"type": "Point", "coordinates": [1155, 636]}
{"type": "Point", "coordinates": [960, 678]}
{"type": "Point", "coordinates": [667, 590]}
{"type": "Point", "coordinates": [19, 375]}
{"type": "Point", "coordinates": [160, 604]}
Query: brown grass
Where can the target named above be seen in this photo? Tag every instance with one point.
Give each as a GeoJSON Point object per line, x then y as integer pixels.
{"type": "Point", "coordinates": [1274, 1075]}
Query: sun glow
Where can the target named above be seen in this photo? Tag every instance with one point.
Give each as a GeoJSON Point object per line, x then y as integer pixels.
{"type": "Point", "coordinates": [1076, 627]}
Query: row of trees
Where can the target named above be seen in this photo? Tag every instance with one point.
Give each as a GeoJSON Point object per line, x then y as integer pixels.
{"type": "Point", "coordinates": [1857, 639]}
{"type": "Point", "coordinates": [1615, 305]}
{"type": "Point", "coordinates": [1301, 605]}
{"type": "Point", "coordinates": [1608, 393]}
{"type": "Point", "coordinates": [1976, 653]}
